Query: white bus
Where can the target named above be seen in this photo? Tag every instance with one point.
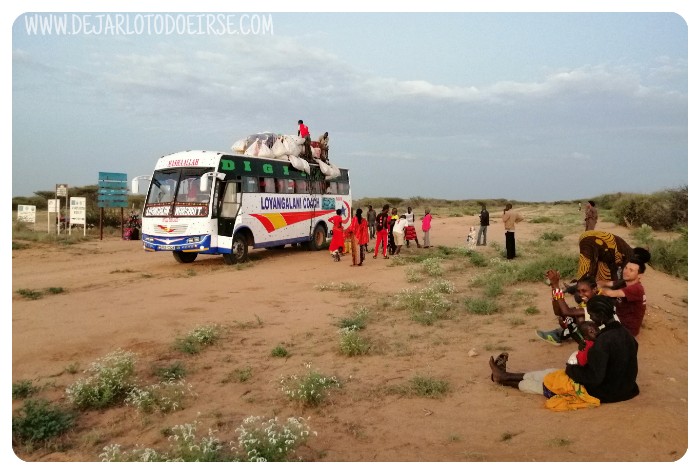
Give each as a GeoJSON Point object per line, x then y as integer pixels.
{"type": "Point", "coordinates": [206, 202]}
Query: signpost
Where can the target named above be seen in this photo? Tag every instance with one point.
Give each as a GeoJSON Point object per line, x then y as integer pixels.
{"type": "Point", "coordinates": [77, 213]}
{"type": "Point", "coordinates": [53, 206]}
{"type": "Point", "coordinates": [26, 214]}
{"type": "Point", "coordinates": [61, 192]}
{"type": "Point", "coordinates": [112, 191]}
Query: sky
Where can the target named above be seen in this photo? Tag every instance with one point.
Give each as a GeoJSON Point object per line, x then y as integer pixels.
{"type": "Point", "coordinates": [527, 106]}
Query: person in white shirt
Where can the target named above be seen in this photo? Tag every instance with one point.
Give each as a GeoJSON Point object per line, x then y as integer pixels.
{"type": "Point", "coordinates": [399, 231]}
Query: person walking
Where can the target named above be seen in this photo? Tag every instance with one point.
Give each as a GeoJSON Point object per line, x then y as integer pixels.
{"type": "Point", "coordinates": [591, 216]}
{"type": "Point", "coordinates": [427, 220]}
{"type": "Point", "coordinates": [483, 225]}
{"type": "Point", "coordinates": [392, 221]}
{"type": "Point", "coordinates": [338, 238]}
{"type": "Point", "coordinates": [399, 231]}
{"type": "Point", "coordinates": [382, 230]}
{"type": "Point", "coordinates": [358, 237]}
{"type": "Point", "coordinates": [411, 234]}
{"type": "Point", "coordinates": [510, 218]}
{"type": "Point", "coordinates": [371, 221]}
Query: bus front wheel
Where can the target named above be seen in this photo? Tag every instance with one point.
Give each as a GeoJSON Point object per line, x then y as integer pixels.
{"type": "Point", "coordinates": [185, 257]}
{"type": "Point", "coordinates": [239, 250]}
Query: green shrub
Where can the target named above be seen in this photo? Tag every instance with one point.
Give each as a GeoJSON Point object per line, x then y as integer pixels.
{"type": "Point", "coordinates": [29, 294]}
{"type": "Point", "coordinates": [425, 306]}
{"type": "Point", "coordinates": [176, 371]}
{"type": "Point", "coordinates": [268, 440]}
{"type": "Point", "coordinates": [671, 257]}
{"type": "Point", "coordinates": [422, 386]}
{"type": "Point", "coordinates": [352, 343]}
{"type": "Point", "coordinates": [184, 447]}
{"type": "Point", "coordinates": [23, 389]}
{"type": "Point", "coordinates": [477, 259]}
{"type": "Point", "coordinates": [552, 236]}
{"type": "Point", "coordinates": [163, 397]}
{"type": "Point", "coordinates": [197, 339]}
{"type": "Point", "coordinates": [110, 382]}
{"type": "Point", "coordinates": [279, 351]}
{"type": "Point", "coordinates": [358, 320]}
{"type": "Point", "coordinates": [493, 288]}
{"type": "Point", "coordinates": [38, 421]}
{"type": "Point", "coordinates": [310, 389]}
{"type": "Point", "coordinates": [662, 210]}
{"type": "Point", "coordinates": [481, 306]}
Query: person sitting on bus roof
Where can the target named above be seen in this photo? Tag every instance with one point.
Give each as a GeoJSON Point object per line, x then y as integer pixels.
{"type": "Point", "coordinates": [323, 144]}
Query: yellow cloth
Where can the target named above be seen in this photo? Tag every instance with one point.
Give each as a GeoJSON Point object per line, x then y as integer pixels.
{"type": "Point", "coordinates": [569, 394]}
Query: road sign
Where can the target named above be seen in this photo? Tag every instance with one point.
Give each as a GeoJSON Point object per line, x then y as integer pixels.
{"type": "Point", "coordinates": [62, 190]}
{"type": "Point", "coordinates": [77, 210]}
{"type": "Point", "coordinates": [26, 213]}
{"type": "Point", "coordinates": [112, 191]}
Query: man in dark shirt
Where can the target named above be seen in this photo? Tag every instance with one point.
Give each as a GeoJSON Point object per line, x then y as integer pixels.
{"type": "Point", "coordinates": [371, 218]}
{"type": "Point", "coordinates": [484, 223]}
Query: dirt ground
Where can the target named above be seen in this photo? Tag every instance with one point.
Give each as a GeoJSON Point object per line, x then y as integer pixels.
{"type": "Point", "coordinates": [118, 296]}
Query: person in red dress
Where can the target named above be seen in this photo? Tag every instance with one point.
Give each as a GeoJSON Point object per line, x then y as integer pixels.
{"type": "Point", "coordinates": [382, 224]}
{"type": "Point", "coordinates": [359, 235]}
{"type": "Point", "coordinates": [338, 239]}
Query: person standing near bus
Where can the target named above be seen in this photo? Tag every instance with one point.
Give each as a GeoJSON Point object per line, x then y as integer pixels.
{"type": "Point", "coordinates": [427, 220]}
{"type": "Point", "coordinates": [338, 239]}
{"type": "Point", "coordinates": [382, 230]}
{"type": "Point", "coordinates": [510, 218]}
{"type": "Point", "coordinates": [371, 220]}
{"type": "Point", "coordinates": [359, 237]}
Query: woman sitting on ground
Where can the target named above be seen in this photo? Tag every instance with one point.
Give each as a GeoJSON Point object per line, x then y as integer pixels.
{"type": "Point", "coordinates": [610, 374]}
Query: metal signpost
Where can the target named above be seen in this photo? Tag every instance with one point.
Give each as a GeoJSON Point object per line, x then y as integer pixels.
{"type": "Point", "coordinates": [26, 214]}
{"type": "Point", "coordinates": [61, 192]}
{"type": "Point", "coordinates": [112, 191]}
{"type": "Point", "coordinates": [52, 206]}
{"type": "Point", "coordinates": [77, 213]}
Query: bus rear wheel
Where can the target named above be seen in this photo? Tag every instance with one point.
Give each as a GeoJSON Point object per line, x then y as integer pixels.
{"type": "Point", "coordinates": [318, 238]}
{"type": "Point", "coordinates": [239, 250]}
{"type": "Point", "coordinates": [185, 257]}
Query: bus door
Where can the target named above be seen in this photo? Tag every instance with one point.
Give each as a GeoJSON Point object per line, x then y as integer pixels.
{"type": "Point", "coordinates": [316, 185]}
{"type": "Point", "coordinates": [229, 206]}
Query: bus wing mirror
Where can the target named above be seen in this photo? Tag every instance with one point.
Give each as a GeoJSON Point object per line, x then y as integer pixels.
{"type": "Point", "coordinates": [135, 183]}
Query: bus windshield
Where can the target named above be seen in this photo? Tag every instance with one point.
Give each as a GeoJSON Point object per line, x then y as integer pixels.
{"type": "Point", "coordinates": [182, 192]}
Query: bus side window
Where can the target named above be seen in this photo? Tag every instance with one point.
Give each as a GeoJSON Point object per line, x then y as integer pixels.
{"type": "Point", "coordinates": [267, 185]}
{"type": "Point", "coordinates": [250, 184]}
{"type": "Point", "coordinates": [316, 187]}
{"type": "Point", "coordinates": [301, 186]}
{"type": "Point", "coordinates": [332, 188]}
{"type": "Point", "coordinates": [343, 188]}
{"type": "Point", "coordinates": [281, 185]}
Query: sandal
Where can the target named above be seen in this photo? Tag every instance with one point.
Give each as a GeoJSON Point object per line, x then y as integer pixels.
{"type": "Point", "coordinates": [374, 257]}
{"type": "Point", "coordinates": [387, 258]}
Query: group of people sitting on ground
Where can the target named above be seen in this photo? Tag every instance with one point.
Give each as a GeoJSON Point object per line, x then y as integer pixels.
{"type": "Point", "coordinates": [611, 304]}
